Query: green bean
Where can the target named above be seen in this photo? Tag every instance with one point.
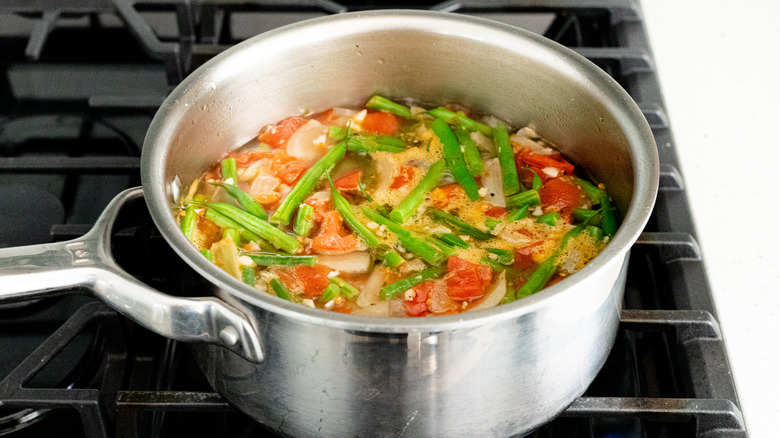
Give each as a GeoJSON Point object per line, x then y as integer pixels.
{"type": "Point", "coordinates": [454, 240]}
{"type": "Point", "coordinates": [189, 222]}
{"type": "Point", "coordinates": [244, 199]}
{"type": "Point", "coordinates": [347, 289]}
{"type": "Point", "coordinates": [454, 157]}
{"type": "Point", "coordinates": [208, 254]}
{"type": "Point", "coordinates": [393, 259]}
{"type": "Point", "coordinates": [585, 215]}
{"type": "Point", "coordinates": [595, 232]}
{"type": "Point", "coordinates": [459, 225]}
{"type": "Point", "coordinates": [425, 250]}
{"type": "Point", "coordinates": [549, 219]}
{"type": "Point", "coordinates": [609, 221]}
{"type": "Point", "coordinates": [330, 293]}
{"type": "Point", "coordinates": [492, 222]}
{"type": "Point", "coordinates": [248, 276]}
{"type": "Point", "coordinates": [387, 105]}
{"type": "Point", "coordinates": [273, 235]}
{"type": "Point", "coordinates": [505, 256]}
{"type": "Point", "coordinates": [343, 206]}
{"type": "Point", "coordinates": [304, 220]}
{"type": "Point", "coordinates": [518, 214]}
{"type": "Point", "coordinates": [278, 259]}
{"type": "Point", "coordinates": [537, 182]}
{"type": "Point", "coordinates": [229, 170]}
{"type": "Point", "coordinates": [547, 268]}
{"type": "Point", "coordinates": [307, 182]}
{"type": "Point", "coordinates": [494, 265]}
{"type": "Point", "coordinates": [474, 162]}
{"type": "Point", "coordinates": [539, 278]}
{"type": "Point", "coordinates": [528, 197]}
{"type": "Point", "coordinates": [233, 233]}
{"type": "Point", "coordinates": [506, 159]}
{"type": "Point", "coordinates": [369, 143]}
{"type": "Point", "coordinates": [281, 290]}
{"type": "Point", "coordinates": [462, 120]}
{"type": "Point", "coordinates": [447, 249]}
{"type": "Point", "coordinates": [407, 283]}
{"type": "Point", "coordinates": [408, 207]}
{"type": "Point", "coordinates": [225, 222]}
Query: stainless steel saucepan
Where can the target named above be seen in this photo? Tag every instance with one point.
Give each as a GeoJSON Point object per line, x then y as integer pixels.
{"type": "Point", "coordinates": [306, 372]}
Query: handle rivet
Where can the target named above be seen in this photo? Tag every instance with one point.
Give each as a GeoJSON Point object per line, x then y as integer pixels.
{"type": "Point", "coordinates": [229, 335]}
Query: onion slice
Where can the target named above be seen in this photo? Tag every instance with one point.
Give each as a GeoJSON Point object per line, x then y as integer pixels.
{"type": "Point", "coordinates": [494, 296]}
{"type": "Point", "coordinates": [308, 141]}
{"type": "Point", "coordinates": [370, 293]}
{"type": "Point", "coordinates": [356, 262]}
{"type": "Point", "coordinates": [381, 309]}
{"type": "Point", "coordinates": [494, 183]}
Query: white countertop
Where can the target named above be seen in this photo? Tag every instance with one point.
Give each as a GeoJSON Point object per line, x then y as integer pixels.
{"type": "Point", "coordinates": [718, 65]}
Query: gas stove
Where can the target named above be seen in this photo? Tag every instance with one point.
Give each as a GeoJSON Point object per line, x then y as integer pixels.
{"type": "Point", "coordinates": [81, 82]}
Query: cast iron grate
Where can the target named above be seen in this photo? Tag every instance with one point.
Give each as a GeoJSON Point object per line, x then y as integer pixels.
{"type": "Point", "coordinates": [73, 113]}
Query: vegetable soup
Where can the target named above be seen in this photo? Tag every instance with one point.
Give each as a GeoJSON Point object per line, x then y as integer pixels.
{"type": "Point", "coordinates": [397, 210]}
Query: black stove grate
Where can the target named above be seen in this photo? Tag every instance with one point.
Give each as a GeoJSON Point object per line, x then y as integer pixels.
{"type": "Point", "coordinates": [81, 82]}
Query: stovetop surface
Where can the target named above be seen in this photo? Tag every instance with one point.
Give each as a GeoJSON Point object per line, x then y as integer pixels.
{"type": "Point", "coordinates": [81, 82]}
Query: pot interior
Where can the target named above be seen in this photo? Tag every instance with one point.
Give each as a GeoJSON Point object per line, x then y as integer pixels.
{"type": "Point", "coordinates": [432, 57]}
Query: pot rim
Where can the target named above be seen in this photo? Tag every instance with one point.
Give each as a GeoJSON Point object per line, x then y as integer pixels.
{"type": "Point", "coordinates": [616, 100]}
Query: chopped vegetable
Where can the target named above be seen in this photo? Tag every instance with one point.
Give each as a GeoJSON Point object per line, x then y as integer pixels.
{"type": "Point", "coordinates": [392, 289]}
{"type": "Point", "coordinates": [384, 104]}
{"type": "Point", "coordinates": [462, 120]}
{"type": "Point", "coordinates": [229, 170]}
{"type": "Point", "coordinates": [506, 159]}
{"type": "Point", "coordinates": [474, 162]}
{"type": "Point", "coordinates": [189, 221]}
{"type": "Point", "coordinates": [274, 236]}
{"type": "Point", "coordinates": [278, 259]}
{"type": "Point", "coordinates": [528, 197]}
{"type": "Point", "coordinates": [414, 199]}
{"type": "Point", "coordinates": [248, 276]}
{"type": "Point", "coordinates": [281, 290]}
{"type": "Point", "coordinates": [419, 246]}
{"type": "Point", "coordinates": [245, 199]}
{"type": "Point", "coordinates": [306, 183]}
{"type": "Point", "coordinates": [459, 225]}
{"type": "Point", "coordinates": [304, 220]}
{"type": "Point", "coordinates": [454, 157]}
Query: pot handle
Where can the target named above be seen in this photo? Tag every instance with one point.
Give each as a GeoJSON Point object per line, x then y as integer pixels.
{"type": "Point", "coordinates": [38, 271]}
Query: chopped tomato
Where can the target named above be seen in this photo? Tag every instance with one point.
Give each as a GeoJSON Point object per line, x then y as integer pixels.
{"type": "Point", "coordinates": [344, 307]}
{"type": "Point", "coordinates": [405, 174]}
{"type": "Point", "coordinates": [268, 198]}
{"type": "Point", "coordinates": [313, 279]}
{"type": "Point", "coordinates": [442, 196]}
{"type": "Point", "coordinates": [277, 135]}
{"type": "Point", "coordinates": [332, 237]}
{"type": "Point", "coordinates": [326, 116]}
{"type": "Point", "coordinates": [496, 212]}
{"type": "Point", "coordinates": [524, 256]}
{"type": "Point", "coordinates": [380, 123]}
{"type": "Point", "coordinates": [418, 305]}
{"type": "Point", "coordinates": [466, 281]}
{"type": "Point", "coordinates": [561, 196]}
{"type": "Point", "coordinates": [290, 170]}
{"type": "Point", "coordinates": [349, 182]}
{"type": "Point", "coordinates": [246, 158]}
{"type": "Point", "coordinates": [540, 162]}
{"type": "Point", "coordinates": [321, 205]}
